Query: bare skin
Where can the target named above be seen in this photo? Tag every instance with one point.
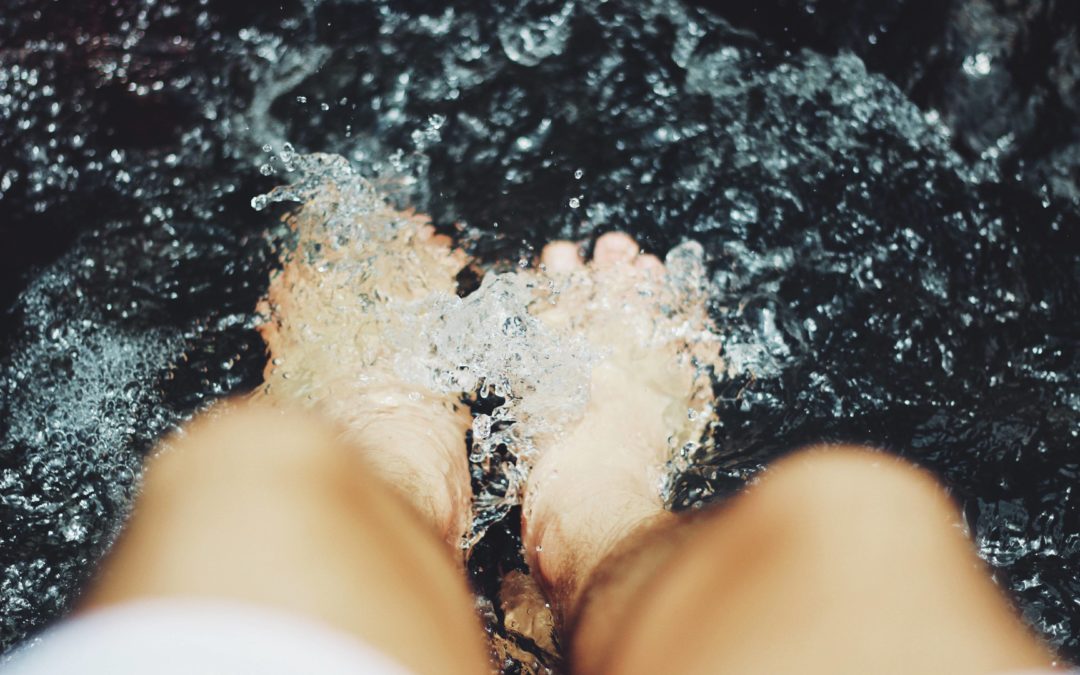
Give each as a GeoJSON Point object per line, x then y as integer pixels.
{"type": "Point", "coordinates": [350, 513]}
{"type": "Point", "coordinates": [602, 480]}
{"type": "Point", "coordinates": [328, 319]}
{"type": "Point", "coordinates": [841, 560]}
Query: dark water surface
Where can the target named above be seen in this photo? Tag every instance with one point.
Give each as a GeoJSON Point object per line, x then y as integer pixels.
{"type": "Point", "coordinates": [889, 193]}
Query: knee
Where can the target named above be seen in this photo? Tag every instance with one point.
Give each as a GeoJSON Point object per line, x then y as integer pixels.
{"type": "Point", "coordinates": [241, 442]}
{"type": "Point", "coordinates": [851, 471]}
{"type": "Point", "coordinates": [853, 495]}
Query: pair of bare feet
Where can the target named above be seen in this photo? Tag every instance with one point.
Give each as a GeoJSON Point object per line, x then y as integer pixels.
{"type": "Point", "coordinates": [591, 485]}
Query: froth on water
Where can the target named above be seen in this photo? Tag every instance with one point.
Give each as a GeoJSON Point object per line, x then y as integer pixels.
{"type": "Point", "coordinates": [366, 305]}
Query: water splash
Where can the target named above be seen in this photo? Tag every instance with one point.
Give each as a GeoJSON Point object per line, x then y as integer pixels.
{"type": "Point", "coordinates": [80, 401]}
{"type": "Point", "coordinates": [529, 41]}
{"type": "Point", "coordinates": [363, 302]}
{"type": "Point", "coordinates": [152, 116]}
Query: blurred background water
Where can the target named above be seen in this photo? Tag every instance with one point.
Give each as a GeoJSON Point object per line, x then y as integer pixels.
{"type": "Point", "coordinates": [888, 192]}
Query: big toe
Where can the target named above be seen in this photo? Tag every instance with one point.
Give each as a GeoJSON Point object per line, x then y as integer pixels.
{"type": "Point", "coordinates": [614, 248]}
{"type": "Point", "coordinates": [561, 256]}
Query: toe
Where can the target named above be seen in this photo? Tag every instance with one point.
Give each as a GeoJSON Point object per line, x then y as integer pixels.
{"type": "Point", "coordinates": [613, 248]}
{"type": "Point", "coordinates": [442, 240]}
{"type": "Point", "coordinates": [430, 236]}
{"type": "Point", "coordinates": [561, 256]}
{"type": "Point", "coordinates": [650, 264]}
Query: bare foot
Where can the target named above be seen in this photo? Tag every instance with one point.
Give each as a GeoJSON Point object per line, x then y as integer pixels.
{"type": "Point", "coordinates": [603, 479]}
{"type": "Point", "coordinates": [328, 313]}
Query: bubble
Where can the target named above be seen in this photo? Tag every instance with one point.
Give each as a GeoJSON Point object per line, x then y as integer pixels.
{"type": "Point", "coordinates": [358, 272]}
{"type": "Point", "coordinates": [481, 427]}
{"type": "Point", "coordinates": [529, 42]}
{"type": "Point", "coordinates": [978, 65]}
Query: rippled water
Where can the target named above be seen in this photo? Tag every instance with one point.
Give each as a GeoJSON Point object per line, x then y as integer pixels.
{"type": "Point", "coordinates": [888, 194]}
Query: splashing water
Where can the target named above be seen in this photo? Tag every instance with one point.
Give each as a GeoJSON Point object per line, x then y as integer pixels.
{"type": "Point", "coordinates": [892, 237]}
{"type": "Point", "coordinates": [488, 344]}
{"type": "Point", "coordinates": [363, 303]}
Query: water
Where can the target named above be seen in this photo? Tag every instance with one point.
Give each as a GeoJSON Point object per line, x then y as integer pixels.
{"type": "Point", "coordinates": [360, 301]}
{"type": "Point", "coordinates": [886, 194]}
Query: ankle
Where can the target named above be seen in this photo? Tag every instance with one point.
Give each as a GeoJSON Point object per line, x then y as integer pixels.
{"type": "Point", "coordinates": [417, 448]}
{"type": "Point", "coordinates": [570, 530]}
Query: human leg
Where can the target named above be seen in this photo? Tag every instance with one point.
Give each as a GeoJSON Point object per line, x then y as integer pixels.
{"type": "Point", "coordinates": [650, 392]}
{"type": "Point", "coordinates": [353, 514]}
{"type": "Point", "coordinates": [332, 324]}
{"type": "Point", "coordinates": [840, 560]}
{"type": "Point", "coordinates": [271, 508]}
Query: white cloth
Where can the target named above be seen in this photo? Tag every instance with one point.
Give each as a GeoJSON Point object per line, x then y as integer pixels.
{"type": "Point", "coordinates": [196, 637]}
{"type": "Point", "coordinates": [209, 637]}
{"type": "Point", "coordinates": [1048, 671]}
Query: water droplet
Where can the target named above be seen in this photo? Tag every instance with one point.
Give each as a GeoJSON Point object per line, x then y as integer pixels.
{"type": "Point", "coordinates": [978, 65]}
{"type": "Point", "coordinates": [529, 42]}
